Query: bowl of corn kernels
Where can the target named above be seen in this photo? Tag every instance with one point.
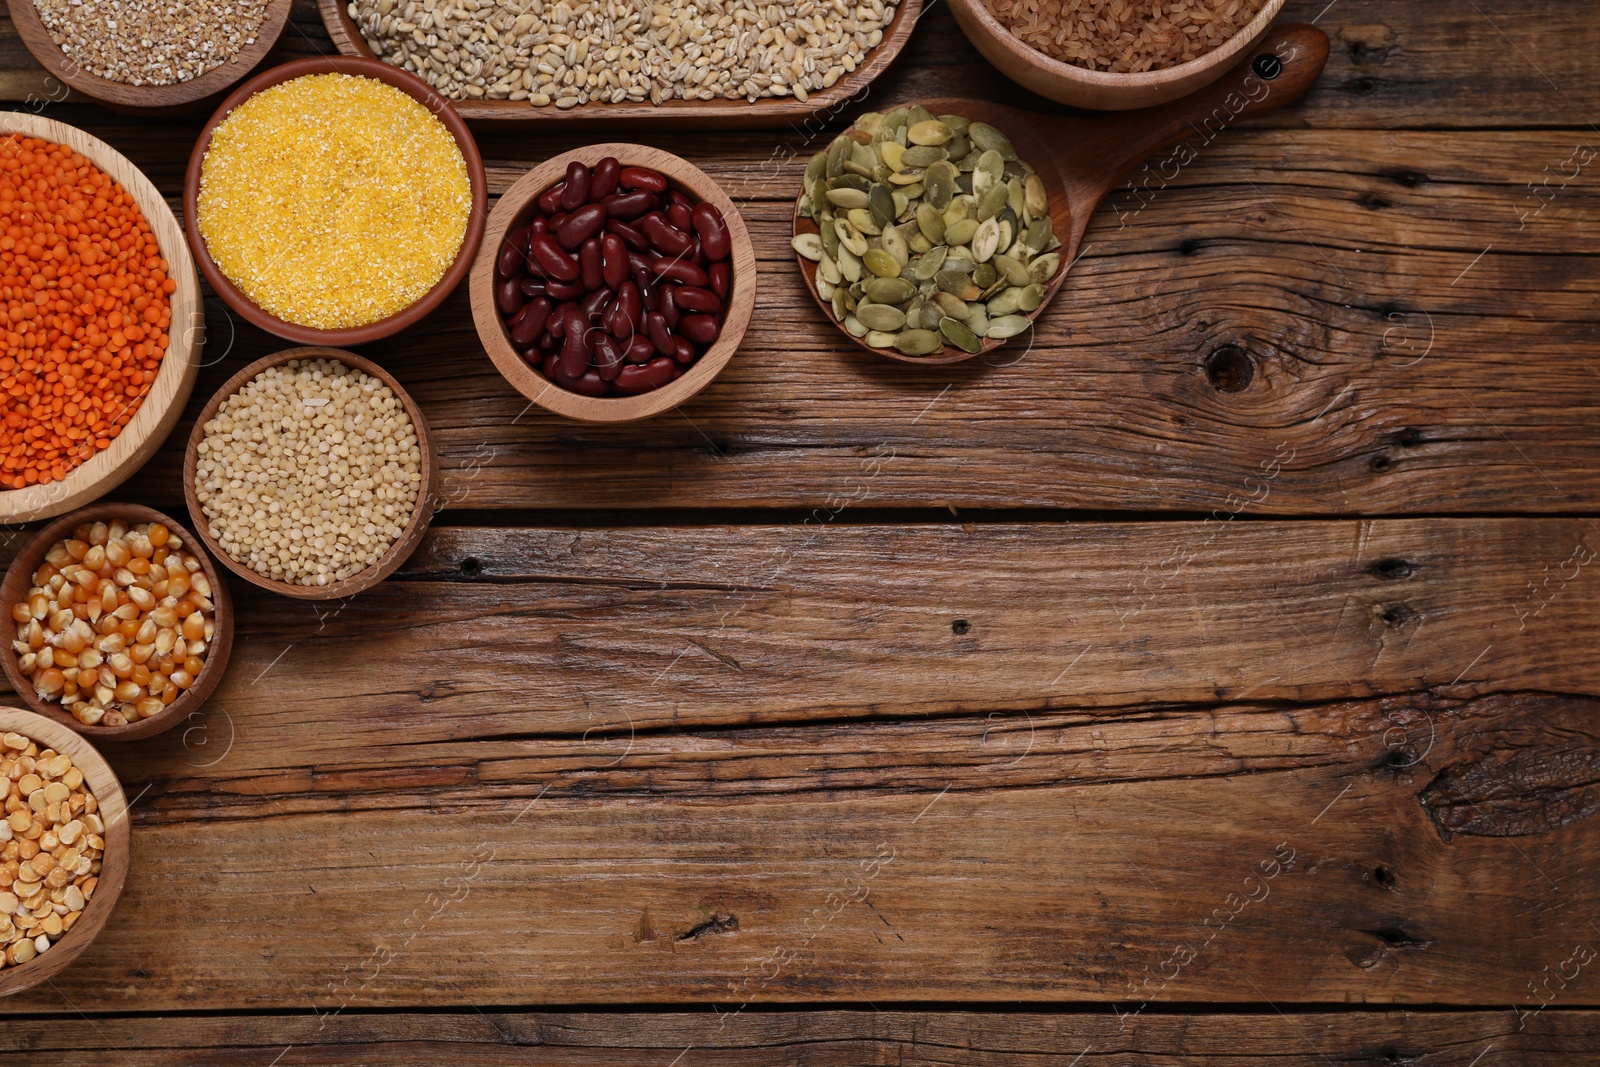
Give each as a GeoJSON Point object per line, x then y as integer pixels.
{"type": "Point", "coordinates": [63, 847]}
{"type": "Point", "coordinates": [121, 622]}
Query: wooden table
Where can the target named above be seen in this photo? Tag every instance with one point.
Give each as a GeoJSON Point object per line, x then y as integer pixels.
{"type": "Point", "coordinates": [1214, 681]}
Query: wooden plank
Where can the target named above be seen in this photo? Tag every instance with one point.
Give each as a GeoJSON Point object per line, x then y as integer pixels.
{"type": "Point", "coordinates": [1502, 63]}
{"type": "Point", "coordinates": [1417, 345]}
{"type": "Point", "coordinates": [823, 1039]}
{"type": "Point", "coordinates": [996, 762]}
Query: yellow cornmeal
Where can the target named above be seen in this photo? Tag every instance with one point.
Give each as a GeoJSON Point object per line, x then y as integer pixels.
{"type": "Point", "coordinates": [333, 200]}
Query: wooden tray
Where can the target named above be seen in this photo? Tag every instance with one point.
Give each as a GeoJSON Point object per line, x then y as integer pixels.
{"type": "Point", "coordinates": [674, 114]}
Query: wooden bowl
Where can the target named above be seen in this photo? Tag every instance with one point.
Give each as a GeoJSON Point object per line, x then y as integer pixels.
{"type": "Point", "coordinates": [415, 87]}
{"type": "Point", "coordinates": [149, 98]}
{"type": "Point", "coordinates": [161, 407]}
{"type": "Point", "coordinates": [421, 515]}
{"type": "Point", "coordinates": [19, 578]}
{"type": "Point", "coordinates": [816, 111]}
{"type": "Point", "coordinates": [1103, 90]}
{"type": "Point", "coordinates": [113, 805]}
{"type": "Point", "coordinates": [517, 204]}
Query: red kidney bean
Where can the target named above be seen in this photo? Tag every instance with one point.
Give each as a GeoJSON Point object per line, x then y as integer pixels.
{"type": "Point", "coordinates": [565, 290]}
{"type": "Point", "coordinates": [590, 265]}
{"type": "Point", "coordinates": [679, 270]}
{"type": "Point", "coordinates": [677, 197]}
{"type": "Point", "coordinates": [640, 349]}
{"type": "Point", "coordinates": [680, 216]}
{"type": "Point", "coordinates": [629, 205]}
{"type": "Point", "coordinates": [628, 312]}
{"type": "Point", "coordinates": [530, 322]}
{"type": "Point", "coordinates": [532, 287]}
{"type": "Point", "coordinates": [557, 263]}
{"type": "Point", "coordinates": [513, 251]}
{"type": "Point", "coordinates": [653, 375]}
{"type": "Point", "coordinates": [558, 320]}
{"type": "Point", "coordinates": [591, 384]}
{"type": "Point", "coordinates": [651, 295]}
{"type": "Point", "coordinates": [694, 298]}
{"type": "Point", "coordinates": [556, 220]}
{"type": "Point", "coordinates": [575, 349]}
{"type": "Point", "coordinates": [608, 357]}
{"type": "Point", "coordinates": [721, 279]}
{"type": "Point", "coordinates": [683, 351]}
{"type": "Point", "coordinates": [576, 194]}
{"type": "Point", "coordinates": [669, 305]}
{"type": "Point", "coordinates": [655, 325]}
{"type": "Point", "coordinates": [581, 225]}
{"type": "Point", "coordinates": [550, 200]}
{"type": "Point", "coordinates": [664, 238]}
{"type": "Point", "coordinates": [699, 256]}
{"type": "Point", "coordinates": [593, 304]}
{"type": "Point", "coordinates": [538, 226]}
{"type": "Point", "coordinates": [642, 178]}
{"type": "Point", "coordinates": [630, 236]}
{"type": "Point", "coordinates": [604, 180]}
{"type": "Point", "coordinates": [508, 296]}
{"type": "Point", "coordinates": [614, 261]}
{"type": "Point", "coordinates": [701, 329]}
{"type": "Point", "coordinates": [713, 231]}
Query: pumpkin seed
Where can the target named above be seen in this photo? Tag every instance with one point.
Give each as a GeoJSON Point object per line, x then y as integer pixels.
{"type": "Point", "coordinates": [924, 155]}
{"type": "Point", "coordinates": [889, 290]}
{"type": "Point", "coordinates": [881, 317]}
{"type": "Point", "coordinates": [1012, 269]}
{"type": "Point", "coordinates": [869, 121]}
{"type": "Point", "coordinates": [1008, 326]}
{"type": "Point", "coordinates": [919, 243]}
{"type": "Point", "coordinates": [849, 264]}
{"type": "Point", "coordinates": [830, 236]}
{"type": "Point", "coordinates": [917, 113]}
{"type": "Point", "coordinates": [917, 342]}
{"type": "Point", "coordinates": [854, 326]}
{"type": "Point", "coordinates": [839, 305]}
{"type": "Point", "coordinates": [816, 167]}
{"type": "Point", "coordinates": [987, 171]}
{"type": "Point", "coordinates": [1032, 296]}
{"type": "Point", "coordinates": [960, 233]}
{"type": "Point", "coordinates": [958, 334]}
{"type": "Point", "coordinates": [958, 123]}
{"type": "Point", "coordinates": [958, 262]}
{"type": "Point", "coordinates": [881, 201]}
{"type": "Point", "coordinates": [978, 321]}
{"type": "Point", "coordinates": [828, 267]}
{"type": "Point", "coordinates": [957, 284]}
{"type": "Point", "coordinates": [838, 152]}
{"type": "Point", "coordinates": [929, 132]}
{"type": "Point", "coordinates": [984, 275]}
{"type": "Point", "coordinates": [1007, 302]}
{"type": "Point", "coordinates": [1044, 268]}
{"type": "Point", "coordinates": [892, 154]}
{"type": "Point", "coordinates": [881, 263]}
{"type": "Point", "coordinates": [861, 219]}
{"type": "Point", "coordinates": [894, 243]}
{"type": "Point", "coordinates": [808, 245]}
{"type": "Point", "coordinates": [850, 237]}
{"type": "Point", "coordinates": [930, 263]}
{"type": "Point", "coordinates": [1033, 195]}
{"type": "Point", "coordinates": [848, 198]}
{"type": "Point", "coordinates": [960, 148]}
{"type": "Point", "coordinates": [1039, 235]}
{"type": "Point", "coordinates": [988, 138]}
{"type": "Point", "coordinates": [825, 288]}
{"type": "Point", "coordinates": [939, 183]}
{"type": "Point", "coordinates": [959, 209]}
{"type": "Point", "coordinates": [879, 339]}
{"type": "Point", "coordinates": [985, 240]}
{"type": "Point", "coordinates": [953, 306]}
{"type": "Point", "coordinates": [992, 202]}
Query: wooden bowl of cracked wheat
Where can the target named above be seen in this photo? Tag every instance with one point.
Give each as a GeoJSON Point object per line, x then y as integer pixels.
{"type": "Point", "coordinates": [122, 623]}
{"type": "Point", "coordinates": [149, 55]}
{"type": "Point", "coordinates": [334, 201]}
{"type": "Point", "coordinates": [63, 847]}
{"type": "Point", "coordinates": [310, 473]}
{"type": "Point", "coordinates": [1118, 56]}
{"type": "Point", "coordinates": [103, 321]}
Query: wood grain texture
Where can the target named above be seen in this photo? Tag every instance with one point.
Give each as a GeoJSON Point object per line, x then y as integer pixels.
{"type": "Point", "coordinates": [645, 758]}
{"type": "Point", "coordinates": [160, 409]}
{"type": "Point", "coordinates": [717, 1038]}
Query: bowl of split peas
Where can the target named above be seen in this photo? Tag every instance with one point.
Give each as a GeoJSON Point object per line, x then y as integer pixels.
{"type": "Point", "coordinates": [121, 623]}
{"type": "Point", "coordinates": [101, 316]}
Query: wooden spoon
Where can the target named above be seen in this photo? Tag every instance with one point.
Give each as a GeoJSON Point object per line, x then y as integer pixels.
{"type": "Point", "coordinates": [1082, 158]}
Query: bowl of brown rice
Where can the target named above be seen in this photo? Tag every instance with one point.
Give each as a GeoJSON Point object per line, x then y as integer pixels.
{"type": "Point", "coordinates": [1115, 54]}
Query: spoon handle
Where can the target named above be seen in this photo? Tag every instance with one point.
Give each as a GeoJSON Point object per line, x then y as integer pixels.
{"type": "Point", "coordinates": [1274, 73]}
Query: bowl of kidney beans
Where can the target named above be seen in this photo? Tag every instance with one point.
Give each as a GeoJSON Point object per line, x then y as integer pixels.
{"type": "Point", "coordinates": [614, 282]}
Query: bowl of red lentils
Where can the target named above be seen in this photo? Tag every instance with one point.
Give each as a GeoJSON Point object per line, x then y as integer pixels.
{"type": "Point", "coordinates": [102, 318]}
{"type": "Point", "coordinates": [121, 623]}
{"type": "Point", "coordinates": [334, 201]}
{"type": "Point", "coordinates": [63, 847]}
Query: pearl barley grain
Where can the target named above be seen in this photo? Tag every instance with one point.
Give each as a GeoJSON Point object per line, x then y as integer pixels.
{"type": "Point", "coordinates": [310, 472]}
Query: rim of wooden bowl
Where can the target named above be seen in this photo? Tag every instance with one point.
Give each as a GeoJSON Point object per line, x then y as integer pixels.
{"type": "Point", "coordinates": [25, 17]}
{"type": "Point", "coordinates": [19, 578]}
{"type": "Point", "coordinates": [161, 408]}
{"type": "Point", "coordinates": [113, 809]}
{"type": "Point", "coordinates": [418, 90]}
{"type": "Point", "coordinates": [819, 107]}
{"type": "Point", "coordinates": [416, 526]}
{"type": "Point", "coordinates": [1070, 84]}
{"type": "Point", "coordinates": [514, 205]}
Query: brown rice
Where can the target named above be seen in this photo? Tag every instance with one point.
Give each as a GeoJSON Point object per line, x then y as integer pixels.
{"type": "Point", "coordinates": [1124, 36]}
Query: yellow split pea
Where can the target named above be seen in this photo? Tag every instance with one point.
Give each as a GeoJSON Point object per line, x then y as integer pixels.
{"type": "Point", "coordinates": [333, 200]}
